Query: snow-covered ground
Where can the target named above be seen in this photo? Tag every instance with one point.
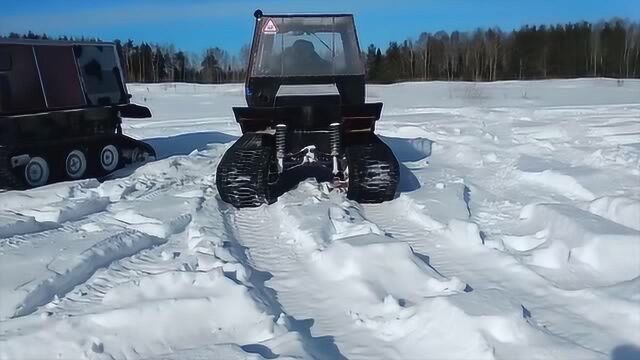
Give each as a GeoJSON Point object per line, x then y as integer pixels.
{"type": "Point", "coordinates": [515, 235]}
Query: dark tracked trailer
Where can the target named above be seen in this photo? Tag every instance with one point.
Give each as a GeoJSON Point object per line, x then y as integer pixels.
{"type": "Point", "coordinates": [306, 115]}
{"type": "Point", "coordinates": [61, 110]}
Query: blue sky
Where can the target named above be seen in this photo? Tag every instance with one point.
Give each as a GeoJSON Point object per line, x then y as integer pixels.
{"type": "Point", "coordinates": [196, 24]}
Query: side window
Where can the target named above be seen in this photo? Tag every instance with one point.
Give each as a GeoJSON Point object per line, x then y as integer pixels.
{"type": "Point", "coordinates": [5, 61]}
{"type": "Point", "coordinates": [100, 74]}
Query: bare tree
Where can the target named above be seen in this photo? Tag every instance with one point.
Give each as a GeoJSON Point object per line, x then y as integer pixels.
{"type": "Point", "coordinates": [630, 43]}
{"type": "Point", "coordinates": [424, 41]}
{"type": "Point", "coordinates": [595, 48]}
{"type": "Point", "coordinates": [477, 46]}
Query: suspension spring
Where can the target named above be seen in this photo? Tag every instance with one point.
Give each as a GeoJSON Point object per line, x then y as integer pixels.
{"type": "Point", "coordinates": [281, 139]}
{"type": "Point", "coordinates": [281, 142]}
{"type": "Point", "coordinates": [334, 138]}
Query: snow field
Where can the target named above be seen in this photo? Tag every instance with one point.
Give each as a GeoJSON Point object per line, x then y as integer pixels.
{"type": "Point", "coordinates": [515, 234]}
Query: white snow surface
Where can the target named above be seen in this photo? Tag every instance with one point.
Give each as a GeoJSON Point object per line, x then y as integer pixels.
{"type": "Point", "coordinates": [515, 235]}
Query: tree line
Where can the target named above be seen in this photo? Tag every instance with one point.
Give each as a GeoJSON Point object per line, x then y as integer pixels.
{"type": "Point", "coordinates": [604, 49]}
{"type": "Point", "coordinates": [155, 63]}
{"type": "Point", "coordinates": [149, 63]}
{"type": "Point", "coordinates": [607, 49]}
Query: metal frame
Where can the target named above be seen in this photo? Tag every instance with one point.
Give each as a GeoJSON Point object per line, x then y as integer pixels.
{"type": "Point", "coordinates": [10, 41]}
{"type": "Point", "coordinates": [312, 15]}
{"type": "Point", "coordinates": [256, 35]}
{"type": "Point", "coordinates": [35, 59]}
{"type": "Point", "coordinates": [308, 15]}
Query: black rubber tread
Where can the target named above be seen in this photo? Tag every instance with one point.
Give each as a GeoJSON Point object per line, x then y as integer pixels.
{"type": "Point", "coordinates": [124, 142]}
{"type": "Point", "coordinates": [13, 179]}
{"type": "Point", "coordinates": [245, 174]}
{"type": "Point", "coordinates": [8, 178]}
{"type": "Point", "coordinates": [374, 173]}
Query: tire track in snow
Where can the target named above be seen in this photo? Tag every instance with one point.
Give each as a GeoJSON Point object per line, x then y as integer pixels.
{"type": "Point", "coordinates": [152, 260]}
{"type": "Point", "coordinates": [192, 266]}
{"type": "Point", "coordinates": [112, 248]}
{"type": "Point", "coordinates": [144, 206]}
{"type": "Point", "coordinates": [37, 210]}
{"type": "Point", "coordinates": [254, 235]}
{"type": "Point", "coordinates": [330, 266]}
{"type": "Point", "coordinates": [65, 272]}
{"type": "Point", "coordinates": [273, 255]}
{"type": "Point", "coordinates": [190, 274]}
{"type": "Point", "coordinates": [45, 273]}
{"type": "Point", "coordinates": [93, 277]}
{"type": "Point", "coordinates": [109, 213]}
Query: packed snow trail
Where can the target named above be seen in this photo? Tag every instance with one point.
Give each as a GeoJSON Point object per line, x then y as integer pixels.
{"type": "Point", "coordinates": [360, 282]}
{"type": "Point", "coordinates": [313, 259]}
{"type": "Point", "coordinates": [188, 275]}
{"type": "Point", "coordinates": [516, 234]}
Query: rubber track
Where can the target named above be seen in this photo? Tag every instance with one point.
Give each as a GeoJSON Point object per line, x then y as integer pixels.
{"type": "Point", "coordinates": [374, 173]}
{"type": "Point", "coordinates": [8, 179]}
{"type": "Point", "coordinates": [242, 177]}
{"type": "Point", "coordinates": [126, 142]}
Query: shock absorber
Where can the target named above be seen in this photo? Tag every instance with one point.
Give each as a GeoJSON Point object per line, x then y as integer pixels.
{"type": "Point", "coordinates": [334, 138]}
{"type": "Point", "coordinates": [281, 142]}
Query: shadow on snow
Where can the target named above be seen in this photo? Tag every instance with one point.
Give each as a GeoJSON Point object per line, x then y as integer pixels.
{"type": "Point", "coordinates": [625, 352]}
{"type": "Point", "coordinates": [185, 144]}
{"type": "Point", "coordinates": [408, 150]}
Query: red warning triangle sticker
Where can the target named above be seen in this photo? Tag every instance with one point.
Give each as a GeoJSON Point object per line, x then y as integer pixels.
{"type": "Point", "coordinates": [270, 27]}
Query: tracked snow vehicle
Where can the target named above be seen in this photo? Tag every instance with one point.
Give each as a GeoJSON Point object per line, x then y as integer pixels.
{"type": "Point", "coordinates": [306, 115]}
{"type": "Point", "coordinates": [61, 109]}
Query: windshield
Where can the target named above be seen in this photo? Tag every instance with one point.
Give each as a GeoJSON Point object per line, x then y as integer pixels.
{"type": "Point", "coordinates": [306, 46]}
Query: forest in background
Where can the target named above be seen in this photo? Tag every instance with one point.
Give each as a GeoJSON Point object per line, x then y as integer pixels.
{"type": "Point", "coordinates": [604, 49]}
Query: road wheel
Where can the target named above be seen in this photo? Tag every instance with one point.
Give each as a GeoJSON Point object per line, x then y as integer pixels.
{"type": "Point", "coordinates": [109, 158]}
{"type": "Point", "coordinates": [36, 172]}
{"type": "Point", "coordinates": [75, 164]}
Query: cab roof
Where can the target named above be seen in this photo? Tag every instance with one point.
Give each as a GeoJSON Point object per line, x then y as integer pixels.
{"type": "Point", "coordinates": [20, 41]}
{"type": "Point", "coordinates": [306, 15]}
